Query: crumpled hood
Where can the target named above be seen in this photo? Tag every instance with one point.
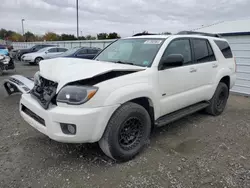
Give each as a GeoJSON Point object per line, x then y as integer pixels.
{"type": "Point", "coordinates": [65, 70]}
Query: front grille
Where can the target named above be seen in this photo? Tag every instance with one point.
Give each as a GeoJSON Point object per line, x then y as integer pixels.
{"type": "Point", "coordinates": [44, 91]}
{"type": "Point", "coordinates": [33, 115]}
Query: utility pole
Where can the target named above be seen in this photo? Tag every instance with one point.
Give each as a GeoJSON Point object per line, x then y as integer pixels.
{"type": "Point", "coordinates": [77, 27]}
{"type": "Point", "coordinates": [23, 27]}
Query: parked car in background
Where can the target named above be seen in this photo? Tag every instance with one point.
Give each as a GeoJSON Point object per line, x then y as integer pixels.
{"type": "Point", "coordinates": [3, 49]}
{"type": "Point", "coordinates": [80, 52]}
{"type": "Point", "coordinates": [6, 62]}
{"type": "Point", "coordinates": [44, 53]}
{"type": "Point", "coordinates": [35, 48]}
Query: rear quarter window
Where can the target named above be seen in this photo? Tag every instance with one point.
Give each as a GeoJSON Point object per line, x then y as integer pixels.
{"type": "Point", "coordinates": [224, 48]}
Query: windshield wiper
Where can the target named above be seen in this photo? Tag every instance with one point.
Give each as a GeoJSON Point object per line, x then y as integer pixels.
{"type": "Point", "coordinates": [122, 62]}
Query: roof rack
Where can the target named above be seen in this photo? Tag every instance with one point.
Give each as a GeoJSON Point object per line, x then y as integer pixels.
{"type": "Point", "coordinates": [141, 34]}
{"type": "Point", "coordinates": [198, 33]}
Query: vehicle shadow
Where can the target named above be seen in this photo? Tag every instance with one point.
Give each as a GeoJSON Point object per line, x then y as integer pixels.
{"type": "Point", "coordinates": [87, 154]}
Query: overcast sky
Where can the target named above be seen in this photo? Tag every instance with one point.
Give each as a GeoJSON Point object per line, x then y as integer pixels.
{"type": "Point", "coordinates": [123, 16]}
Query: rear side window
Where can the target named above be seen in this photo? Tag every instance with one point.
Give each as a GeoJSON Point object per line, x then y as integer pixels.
{"type": "Point", "coordinates": [52, 50]}
{"type": "Point", "coordinates": [224, 48]}
{"type": "Point", "coordinates": [61, 49]}
{"type": "Point", "coordinates": [203, 51]}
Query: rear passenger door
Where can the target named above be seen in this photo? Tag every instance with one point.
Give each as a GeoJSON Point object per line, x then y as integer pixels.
{"type": "Point", "coordinates": [206, 66]}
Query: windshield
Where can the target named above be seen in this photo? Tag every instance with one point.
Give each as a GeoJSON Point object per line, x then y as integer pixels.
{"type": "Point", "coordinates": [140, 52]}
{"type": "Point", "coordinates": [70, 51]}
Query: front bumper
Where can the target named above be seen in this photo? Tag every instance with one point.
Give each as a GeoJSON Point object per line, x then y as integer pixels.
{"type": "Point", "coordinates": [27, 59]}
{"type": "Point", "coordinates": [90, 122]}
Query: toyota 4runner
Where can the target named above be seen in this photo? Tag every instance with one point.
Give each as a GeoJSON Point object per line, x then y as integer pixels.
{"type": "Point", "coordinates": [132, 86]}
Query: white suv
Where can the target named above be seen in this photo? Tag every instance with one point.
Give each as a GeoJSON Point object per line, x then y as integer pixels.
{"type": "Point", "coordinates": [132, 86]}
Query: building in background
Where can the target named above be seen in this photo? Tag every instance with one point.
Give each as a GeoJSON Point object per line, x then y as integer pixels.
{"type": "Point", "coordinates": [238, 35]}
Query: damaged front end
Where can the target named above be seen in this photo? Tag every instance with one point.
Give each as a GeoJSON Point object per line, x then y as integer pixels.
{"type": "Point", "coordinates": [44, 91]}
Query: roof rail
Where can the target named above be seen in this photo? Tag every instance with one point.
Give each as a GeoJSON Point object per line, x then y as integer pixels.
{"type": "Point", "coordinates": [198, 33]}
{"type": "Point", "coordinates": [141, 34]}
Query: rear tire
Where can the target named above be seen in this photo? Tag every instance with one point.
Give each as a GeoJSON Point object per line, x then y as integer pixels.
{"type": "Point", "coordinates": [127, 132]}
{"type": "Point", "coordinates": [219, 100]}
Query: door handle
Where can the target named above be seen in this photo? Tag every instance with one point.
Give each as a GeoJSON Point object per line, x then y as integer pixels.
{"type": "Point", "coordinates": [193, 70]}
{"type": "Point", "coordinates": [215, 65]}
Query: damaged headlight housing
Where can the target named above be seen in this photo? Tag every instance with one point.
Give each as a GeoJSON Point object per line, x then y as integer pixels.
{"type": "Point", "coordinates": [76, 95]}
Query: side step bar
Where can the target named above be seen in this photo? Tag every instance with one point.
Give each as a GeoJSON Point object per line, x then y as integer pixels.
{"type": "Point", "coordinates": [180, 114]}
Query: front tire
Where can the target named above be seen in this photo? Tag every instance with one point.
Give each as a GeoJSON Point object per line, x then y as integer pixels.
{"type": "Point", "coordinates": [37, 60]}
{"type": "Point", "coordinates": [127, 132]}
{"type": "Point", "coordinates": [219, 100]}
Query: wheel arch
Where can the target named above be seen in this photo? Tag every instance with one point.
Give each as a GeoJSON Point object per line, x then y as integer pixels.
{"type": "Point", "coordinates": [226, 80]}
{"type": "Point", "coordinates": [146, 103]}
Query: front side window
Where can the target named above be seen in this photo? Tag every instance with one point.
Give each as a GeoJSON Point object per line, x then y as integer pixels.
{"type": "Point", "coordinates": [179, 46]}
{"type": "Point", "coordinates": [82, 52]}
{"type": "Point", "coordinates": [37, 47]}
{"type": "Point", "coordinates": [62, 49]}
{"type": "Point", "coordinates": [135, 51]}
{"type": "Point", "coordinates": [92, 51]}
{"type": "Point", "coordinates": [202, 51]}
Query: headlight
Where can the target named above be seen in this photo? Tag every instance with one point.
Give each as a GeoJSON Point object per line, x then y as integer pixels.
{"type": "Point", "coordinates": [76, 95]}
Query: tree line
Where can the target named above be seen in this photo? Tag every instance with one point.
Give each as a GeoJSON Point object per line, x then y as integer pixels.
{"type": "Point", "coordinates": [51, 36]}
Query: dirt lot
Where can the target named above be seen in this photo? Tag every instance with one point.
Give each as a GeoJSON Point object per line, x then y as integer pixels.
{"type": "Point", "coordinates": [196, 151]}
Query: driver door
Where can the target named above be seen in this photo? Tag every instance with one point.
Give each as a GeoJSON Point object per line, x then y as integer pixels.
{"type": "Point", "coordinates": [177, 84]}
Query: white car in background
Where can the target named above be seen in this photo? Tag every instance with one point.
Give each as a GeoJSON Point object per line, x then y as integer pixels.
{"type": "Point", "coordinates": [45, 53]}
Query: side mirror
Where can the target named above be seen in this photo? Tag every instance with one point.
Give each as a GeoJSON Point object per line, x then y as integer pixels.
{"type": "Point", "coordinates": [33, 49]}
{"type": "Point", "coordinates": [46, 52]}
{"type": "Point", "coordinates": [172, 60]}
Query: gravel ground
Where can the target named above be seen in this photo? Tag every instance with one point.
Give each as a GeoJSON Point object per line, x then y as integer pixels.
{"type": "Point", "coordinates": [196, 151]}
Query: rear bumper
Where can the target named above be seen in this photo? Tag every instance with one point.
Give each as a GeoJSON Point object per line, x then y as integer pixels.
{"type": "Point", "coordinates": [90, 122]}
